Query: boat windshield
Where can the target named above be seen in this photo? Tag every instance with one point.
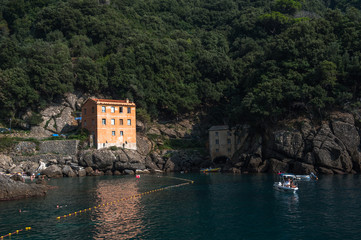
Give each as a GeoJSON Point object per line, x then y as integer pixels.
{"type": "Point", "coordinates": [287, 175]}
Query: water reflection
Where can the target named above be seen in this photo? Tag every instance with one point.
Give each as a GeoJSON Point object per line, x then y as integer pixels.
{"type": "Point", "coordinates": [288, 206]}
{"type": "Point", "coordinates": [122, 220]}
{"type": "Point", "coordinates": [214, 207]}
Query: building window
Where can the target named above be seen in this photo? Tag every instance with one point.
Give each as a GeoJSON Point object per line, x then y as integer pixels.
{"type": "Point", "coordinates": [84, 123]}
{"type": "Point", "coordinates": [84, 111]}
{"type": "Point", "coordinates": [129, 122]}
{"type": "Point", "coordinates": [121, 133]}
{"type": "Point", "coordinates": [120, 109]}
{"type": "Point", "coordinates": [112, 109]}
{"type": "Point", "coordinates": [113, 133]}
{"type": "Point", "coordinates": [112, 121]}
{"type": "Point", "coordinates": [120, 121]}
{"type": "Point", "coordinates": [129, 110]}
{"type": "Point", "coordinates": [229, 150]}
{"type": "Point", "coordinates": [92, 109]}
{"type": "Point", "coordinates": [217, 141]}
{"type": "Point", "coordinates": [104, 121]}
{"type": "Point", "coordinates": [229, 133]}
{"type": "Point", "coordinates": [93, 122]}
{"type": "Point", "coordinates": [217, 150]}
{"type": "Point", "coordinates": [229, 141]}
{"type": "Point", "coordinates": [103, 108]}
{"type": "Point", "coordinates": [217, 134]}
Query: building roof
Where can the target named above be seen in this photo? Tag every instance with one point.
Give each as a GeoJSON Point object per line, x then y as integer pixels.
{"type": "Point", "coordinates": [217, 128]}
{"type": "Point", "coordinates": [111, 101]}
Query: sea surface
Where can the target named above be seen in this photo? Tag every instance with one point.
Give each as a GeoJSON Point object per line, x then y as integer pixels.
{"type": "Point", "coordinates": [215, 206]}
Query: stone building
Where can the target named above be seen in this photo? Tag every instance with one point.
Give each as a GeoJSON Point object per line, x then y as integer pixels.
{"type": "Point", "coordinates": [222, 143]}
{"type": "Point", "coordinates": [110, 122]}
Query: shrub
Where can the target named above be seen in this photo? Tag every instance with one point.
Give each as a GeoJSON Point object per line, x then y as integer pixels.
{"type": "Point", "coordinates": [35, 119]}
{"type": "Point", "coordinates": [113, 148]}
{"type": "Point", "coordinates": [6, 143]}
{"type": "Point", "coordinates": [81, 135]}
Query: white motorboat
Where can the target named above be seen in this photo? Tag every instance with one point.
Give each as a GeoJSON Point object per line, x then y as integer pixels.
{"type": "Point", "coordinates": [309, 177]}
{"type": "Point", "coordinates": [286, 183]}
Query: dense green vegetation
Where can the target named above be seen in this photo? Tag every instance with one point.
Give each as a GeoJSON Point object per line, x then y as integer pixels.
{"type": "Point", "coordinates": [249, 60]}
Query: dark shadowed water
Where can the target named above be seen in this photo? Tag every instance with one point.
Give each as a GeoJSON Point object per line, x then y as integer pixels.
{"type": "Point", "coordinates": [216, 206]}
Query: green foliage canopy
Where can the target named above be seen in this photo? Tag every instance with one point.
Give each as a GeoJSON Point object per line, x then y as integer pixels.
{"type": "Point", "coordinates": [247, 59]}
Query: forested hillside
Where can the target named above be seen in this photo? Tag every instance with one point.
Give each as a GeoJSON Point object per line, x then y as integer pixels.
{"type": "Point", "coordinates": [248, 59]}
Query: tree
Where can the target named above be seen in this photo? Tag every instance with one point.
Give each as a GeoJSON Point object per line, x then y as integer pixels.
{"type": "Point", "coordinates": [287, 6]}
{"type": "Point", "coordinates": [16, 94]}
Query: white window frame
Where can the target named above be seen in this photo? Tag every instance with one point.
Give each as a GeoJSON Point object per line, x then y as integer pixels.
{"type": "Point", "coordinates": [113, 133]}
{"type": "Point", "coordinates": [112, 109]}
{"type": "Point", "coordinates": [112, 121]}
{"type": "Point", "coordinates": [104, 121]}
{"type": "Point", "coordinates": [104, 108]}
{"type": "Point", "coordinates": [129, 122]}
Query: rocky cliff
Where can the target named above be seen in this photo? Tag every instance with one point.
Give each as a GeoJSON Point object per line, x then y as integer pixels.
{"type": "Point", "coordinates": [331, 147]}
{"type": "Point", "coordinates": [299, 145]}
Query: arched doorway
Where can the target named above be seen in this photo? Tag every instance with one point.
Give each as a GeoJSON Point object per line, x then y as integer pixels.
{"type": "Point", "coordinates": [220, 160]}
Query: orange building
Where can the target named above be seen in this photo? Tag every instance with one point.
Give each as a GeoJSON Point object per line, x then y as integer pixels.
{"type": "Point", "coordinates": [110, 122]}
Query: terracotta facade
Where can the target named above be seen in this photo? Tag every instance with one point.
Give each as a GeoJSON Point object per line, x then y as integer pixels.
{"type": "Point", "coordinates": [110, 122]}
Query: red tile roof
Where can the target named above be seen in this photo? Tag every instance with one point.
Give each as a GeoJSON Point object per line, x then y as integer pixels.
{"type": "Point", "coordinates": [112, 101]}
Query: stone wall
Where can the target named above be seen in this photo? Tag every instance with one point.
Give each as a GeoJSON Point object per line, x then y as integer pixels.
{"type": "Point", "coordinates": [62, 147]}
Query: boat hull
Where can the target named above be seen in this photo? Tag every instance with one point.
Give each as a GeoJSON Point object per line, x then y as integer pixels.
{"type": "Point", "coordinates": [211, 170]}
{"type": "Point", "coordinates": [278, 186]}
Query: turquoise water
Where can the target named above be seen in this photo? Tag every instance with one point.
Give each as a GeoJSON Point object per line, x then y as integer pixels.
{"type": "Point", "coordinates": [216, 206]}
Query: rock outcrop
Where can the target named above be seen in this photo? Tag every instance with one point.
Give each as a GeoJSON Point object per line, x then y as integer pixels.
{"type": "Point", "coordinates": [58, 118]}
{"type": "Point", "coordinates": [333, 147]}
{"type": "Point", "coordinates": [53, 171]}
{"type": "Point", "coordinates": [11, 190]}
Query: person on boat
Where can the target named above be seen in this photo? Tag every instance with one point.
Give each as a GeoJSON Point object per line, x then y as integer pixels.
{"type": "Point", "coordinates": [287, 182]}
{"type": "Point", "coordinates": [292, 185]}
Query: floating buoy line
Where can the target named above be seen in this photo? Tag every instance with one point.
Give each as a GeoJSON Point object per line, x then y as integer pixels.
{"type": "Point", "coordinates": [139, 195]}
{"type": "Point", "coordinates": [15, 232]}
